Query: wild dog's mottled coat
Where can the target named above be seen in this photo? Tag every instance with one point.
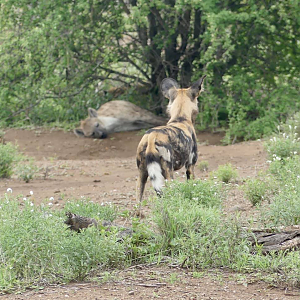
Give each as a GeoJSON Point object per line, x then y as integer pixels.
{"type": "Point", "coordinates": [167, 148]}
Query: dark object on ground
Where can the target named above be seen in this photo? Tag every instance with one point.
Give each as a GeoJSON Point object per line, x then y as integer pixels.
{"type": "Point", "coordinates": [283, 238]}
{"type": "Point", "coordinates": [77, 223]}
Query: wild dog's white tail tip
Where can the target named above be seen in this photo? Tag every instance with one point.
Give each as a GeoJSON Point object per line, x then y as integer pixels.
{"type": "Point", "coordinates": [156, 177]}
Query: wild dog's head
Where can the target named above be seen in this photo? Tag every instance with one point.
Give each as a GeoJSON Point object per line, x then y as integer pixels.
{"type": "Point", "coordinates": [91, 126]}
{"type": "Point", "coordinates": [183, 103]}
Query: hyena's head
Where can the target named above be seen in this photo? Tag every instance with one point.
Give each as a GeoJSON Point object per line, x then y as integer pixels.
{"type": "Point", "coordinates": [183, 103]}
{"type": "Point", "coordinates": [91, 126]}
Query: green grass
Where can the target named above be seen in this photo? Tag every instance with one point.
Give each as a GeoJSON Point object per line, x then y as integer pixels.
{"type": "Point", "coordinates": [8, 157]}
{"type": "Point", "coordinates": [225, 173]}
{"type": "Point", "coordinates": [37, 247]}
{"type": "Point", "coordinates": [13, 162]}
{"type": "Point", "coordinates": [203, 165]}
{"type": "Point", "coordinates": [259, 189]}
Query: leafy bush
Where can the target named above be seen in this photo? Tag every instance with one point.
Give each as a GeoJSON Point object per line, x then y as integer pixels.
{"type": "Point", "coordinates": [26, 170]}
{"type": "Point", "coordinates": [225, 173]}
{"type": "Point", "coordinates": [257, 189]}
{"type": "Point", "coordinates": [292, 123]}
{"type": "Point", "coordinates": [284, 144]}
{"type": "Point", "coordinates": [13, 162]}
{"type": "Point", "coordinates": [8, 156]}
{"type": "Point", "coordinates": [203, 165]}
{"type": "Point", "coordinates": [285, 207]}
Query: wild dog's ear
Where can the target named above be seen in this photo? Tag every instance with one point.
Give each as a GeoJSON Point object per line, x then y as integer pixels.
{"type": "Point", "coordinates": [78, 132]}
{"type": "Point", "coordinates": [92, 113]}
{"type": "Point", "coordinates": [197, 87]}
{"type": "Point", "coordinates": [168, 86]}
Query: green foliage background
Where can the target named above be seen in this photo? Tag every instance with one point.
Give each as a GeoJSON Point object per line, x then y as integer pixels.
{"type": "Point", "coordinates": [58, 59]}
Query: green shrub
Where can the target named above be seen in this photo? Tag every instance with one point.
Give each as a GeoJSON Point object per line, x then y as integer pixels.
{"type": "Point", "coordinates": [225, 173]}
{"type": "Point", "coordinates": [26, 169]}
{"type": "Point", "coordinates": [285, 206]}
{"type": "Point", "coordinates": [293, 123]}
{"type": "Point", "coordinates": [257, 189]}
{"type": "Point", "coordinates": [284, 144]}
{"type": "Point", "coordinates": [203, 165]}
{"type": "Point", "coordinates": [8, 157]}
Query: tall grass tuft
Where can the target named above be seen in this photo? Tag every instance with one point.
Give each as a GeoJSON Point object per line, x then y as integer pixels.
{"type": "Point", "coordinates": [192, 227]}
{"type": "Point", "coordinates": [8, 157]}
{"type": "Point", "coordinates": [225, 173]}
{"type": "Point", "coordinates": [285, 206]}
{"type": "Point", "coordinates": [284, 144]}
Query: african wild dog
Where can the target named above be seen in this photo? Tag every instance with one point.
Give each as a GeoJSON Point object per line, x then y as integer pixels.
{"type": "Point", "coordinates": [167, 148]}
{"type": "Point", "coordinates": [116, 116]}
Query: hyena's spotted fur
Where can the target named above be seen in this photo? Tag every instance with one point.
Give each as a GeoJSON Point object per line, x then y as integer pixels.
{"type": "Point", "coordinates": [167, 148]}
{"type": "Point", "coordinates": [116, 116]}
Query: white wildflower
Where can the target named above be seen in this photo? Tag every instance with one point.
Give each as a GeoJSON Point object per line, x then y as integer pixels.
{"type": "Point", "coordinates": [31, 193]}
{"type": "Point", "coordinates": [51, 198]}
{"type": "Point", "coordinates": [9, 190]}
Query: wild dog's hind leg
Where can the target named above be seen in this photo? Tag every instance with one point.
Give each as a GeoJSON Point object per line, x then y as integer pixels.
{"type": "Point", "coordinates": [167, 170]}
{"type": "Point", "coordinates": [190, 172]}
{"type": "Point", "coordinates": [140, 184]}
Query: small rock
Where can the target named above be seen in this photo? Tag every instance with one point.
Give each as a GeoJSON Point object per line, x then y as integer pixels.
{"type": "Point", "coordinates": [131, 293]}
{"type": "Point", "coordinates": [237, 208]}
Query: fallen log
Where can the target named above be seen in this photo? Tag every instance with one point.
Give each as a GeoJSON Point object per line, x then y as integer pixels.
{"type": "Point", "coordinates": [277, 239]}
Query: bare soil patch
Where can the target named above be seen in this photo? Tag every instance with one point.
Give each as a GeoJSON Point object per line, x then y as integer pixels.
{"type": "Point", "coordinates": [105, 171]}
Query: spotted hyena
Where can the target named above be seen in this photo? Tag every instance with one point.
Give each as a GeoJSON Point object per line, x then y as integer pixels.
{"type": "Point", "coordinates": [116, 116]}
{"type": "Point", "coordinates": [167, 148]}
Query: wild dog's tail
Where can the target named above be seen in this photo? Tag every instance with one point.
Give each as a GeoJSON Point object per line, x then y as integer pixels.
{"type": "Point", "coordinates": [154, 168]}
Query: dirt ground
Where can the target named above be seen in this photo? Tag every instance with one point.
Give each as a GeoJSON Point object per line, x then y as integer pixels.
{"type": "Point", "coordinates": [105, 171]}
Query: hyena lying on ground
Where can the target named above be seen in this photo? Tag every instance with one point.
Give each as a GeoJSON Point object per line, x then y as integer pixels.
{"type": "Point", "coordinates": [167, 148]}
{"type": "Point", "coordinates": [116, 116]}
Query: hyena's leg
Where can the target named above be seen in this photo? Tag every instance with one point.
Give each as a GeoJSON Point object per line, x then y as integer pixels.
{"type": "Point", "coordinates": [190, 172]}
